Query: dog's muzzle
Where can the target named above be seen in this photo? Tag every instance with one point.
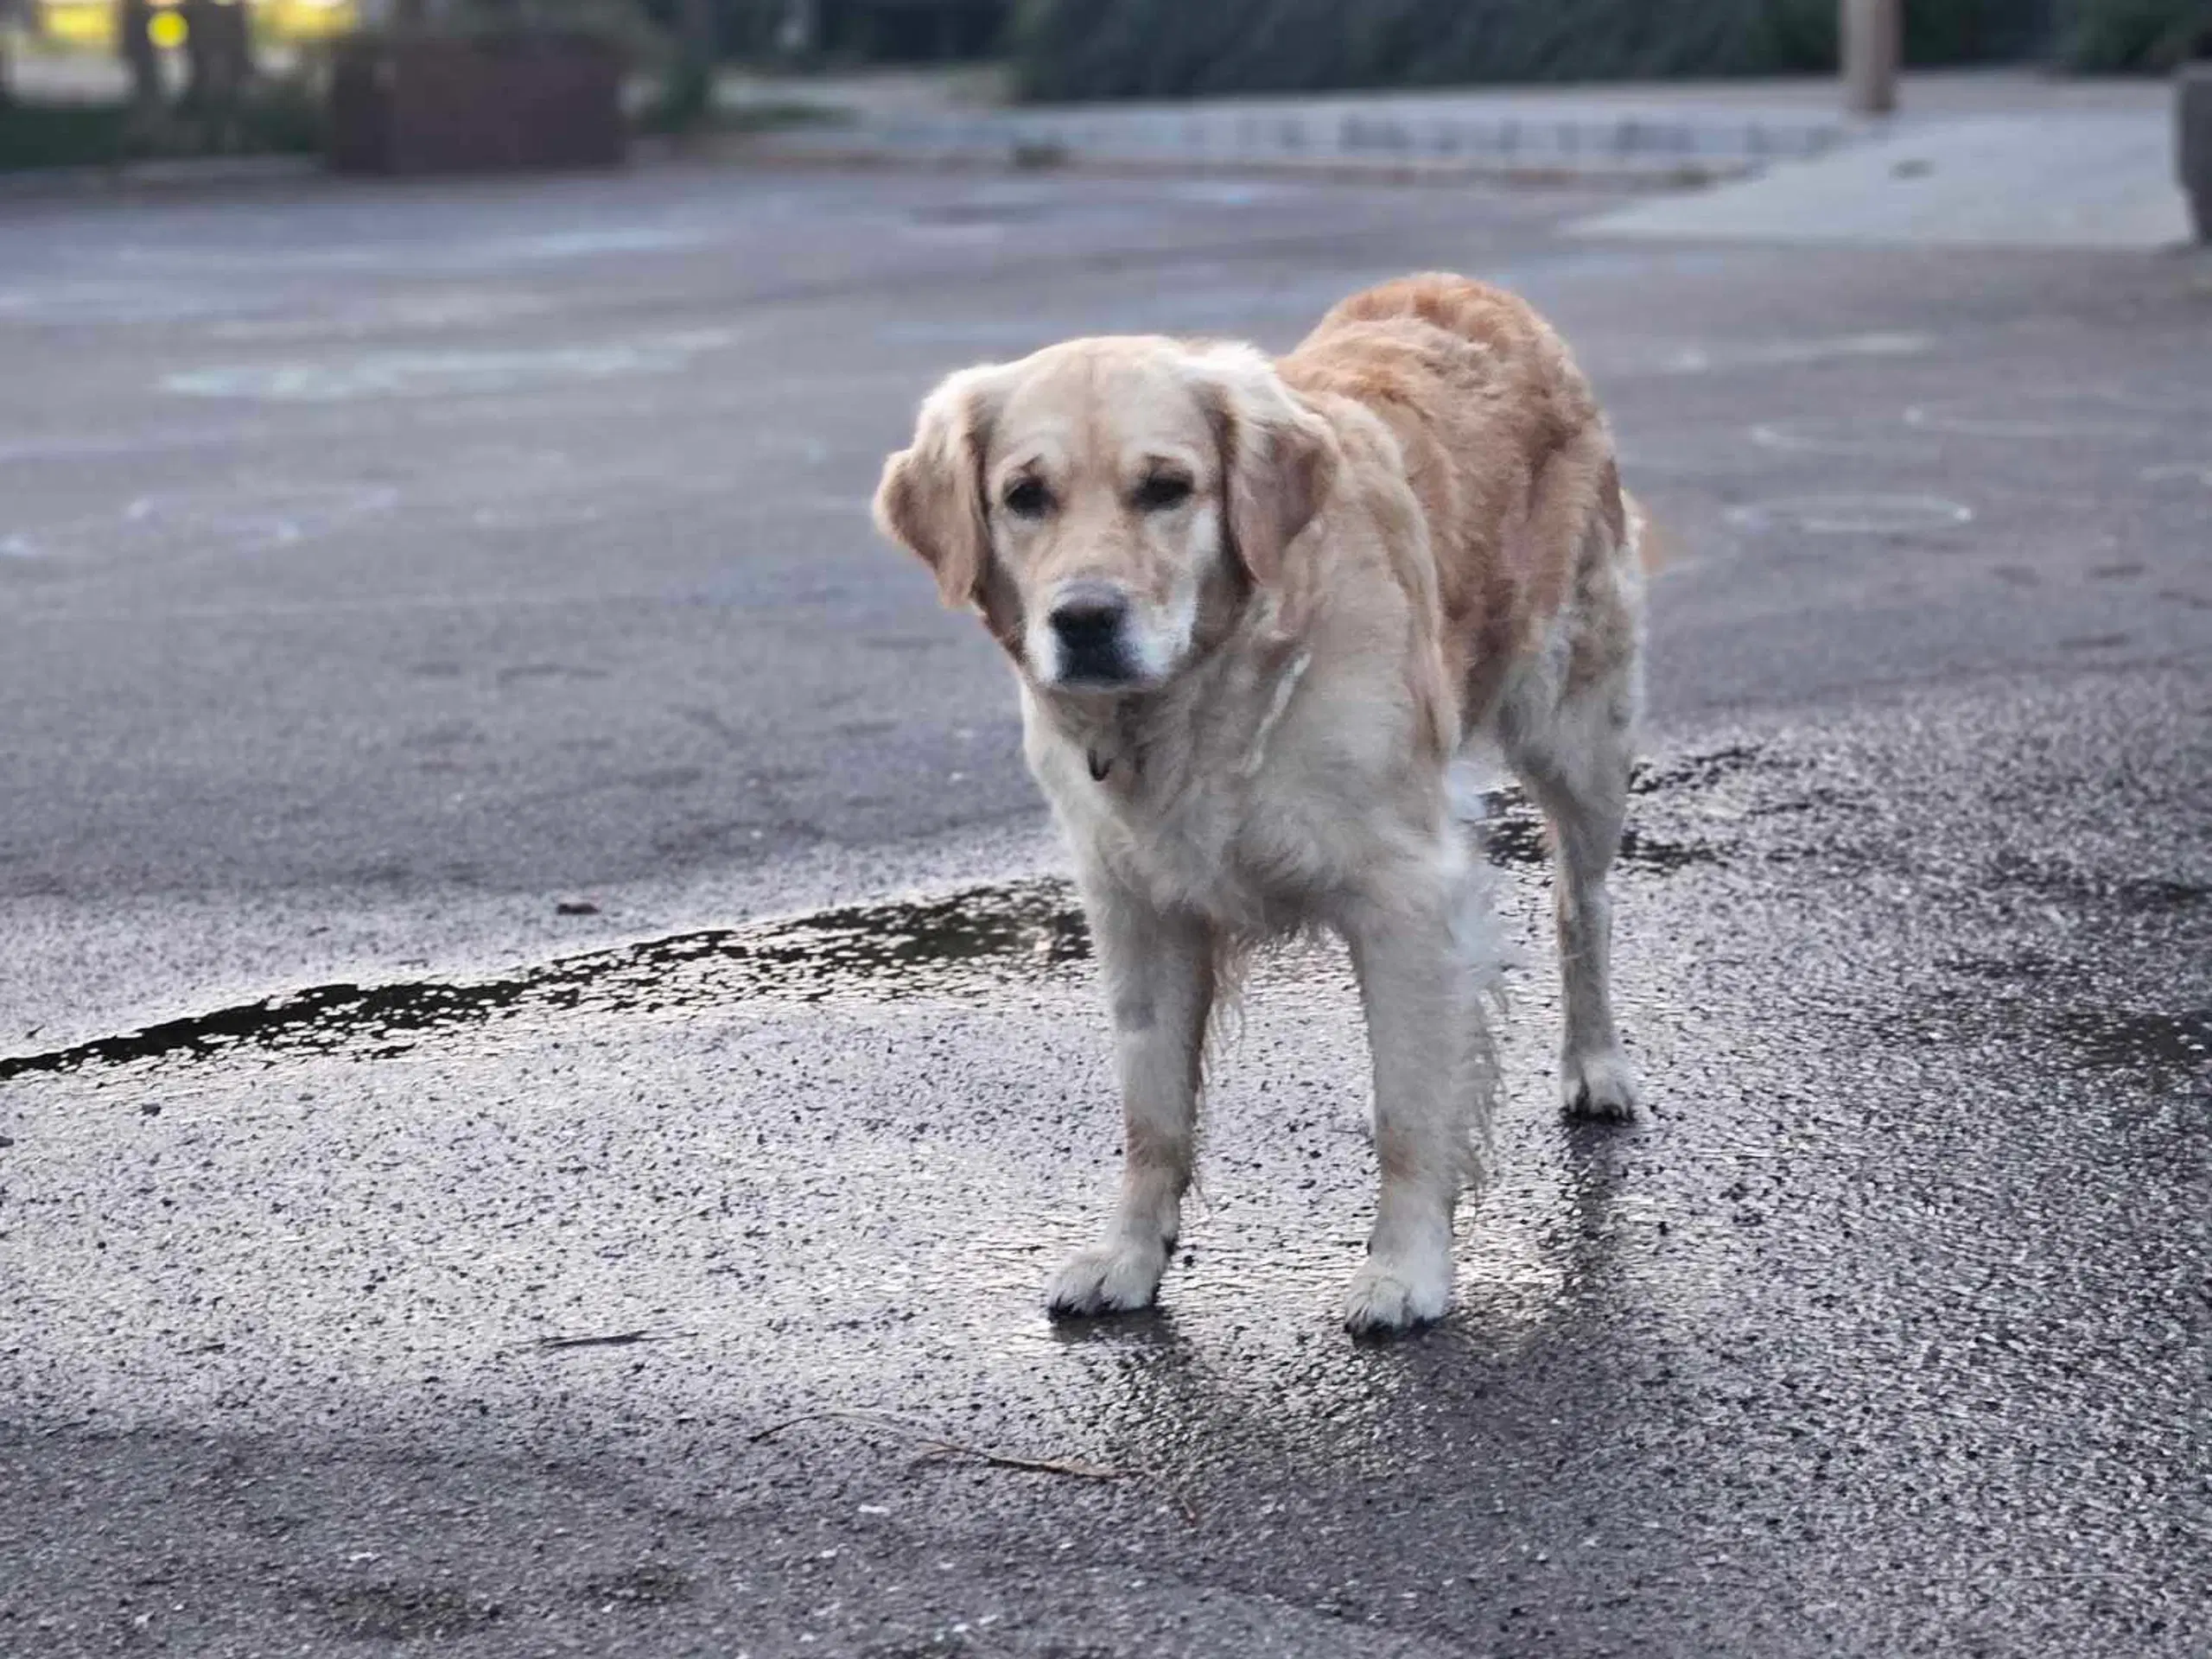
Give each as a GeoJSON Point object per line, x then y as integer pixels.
{"type": "Point", "coordinates": [1090, 628]}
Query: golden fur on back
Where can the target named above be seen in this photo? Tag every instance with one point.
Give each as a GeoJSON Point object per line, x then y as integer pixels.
{"type": "Point", "coordinates": [1502, 440]}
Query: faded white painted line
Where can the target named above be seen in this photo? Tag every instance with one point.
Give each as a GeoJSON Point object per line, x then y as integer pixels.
{"type": "Point", "coordinates": [81, 300]}
{"type": "Point", "coordinates": [98, 448]}
{"type": "Point", "coordinates": [2074, 418]}
{"type": "Point", "coordinates": [1977, 421]}
{"type": "Point", "coordinates": [1838, 434]}
{"type": "Point", "coordinates": [1852, 514]}
{"type": "Point", "coordinates": [462, 253]}
{"type": "Point", "coordinates": [409, 314]}
{"type": "Point", "coordinates": [444, 374]}
{"type": "Point", "coordinates": [538, 517]}
{"type": "Point", "coordinates": [246, 518]}
{"type": "Point", "coordinates": [1704, 358]}
{"type": "Point", "coordinates": [1011, 333]}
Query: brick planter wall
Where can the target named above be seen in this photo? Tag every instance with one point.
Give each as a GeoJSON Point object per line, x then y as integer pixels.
{"type": "Point", "coordinates": [434, 105]}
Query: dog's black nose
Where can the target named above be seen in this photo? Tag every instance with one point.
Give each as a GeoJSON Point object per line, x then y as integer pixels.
{"type": "Point", "coordinates": [1089, 624]}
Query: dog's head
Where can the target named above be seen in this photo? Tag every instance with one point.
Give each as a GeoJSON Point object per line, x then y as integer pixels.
{"type": "Point", "coordinates": [1107, 504]}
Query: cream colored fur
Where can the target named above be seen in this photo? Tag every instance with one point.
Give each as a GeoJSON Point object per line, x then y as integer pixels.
{"type": "Point", "coordinates": [1319, 577]}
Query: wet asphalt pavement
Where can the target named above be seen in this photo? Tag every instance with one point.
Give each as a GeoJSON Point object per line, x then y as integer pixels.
{"type": "Point", "coordinates": [391, 1262]}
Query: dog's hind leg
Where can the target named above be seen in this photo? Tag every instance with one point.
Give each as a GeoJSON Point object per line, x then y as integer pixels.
{"type": "Point", "coordinates": [1160, 977]}
{"type": "Point", "coordinates": [1573, 750]}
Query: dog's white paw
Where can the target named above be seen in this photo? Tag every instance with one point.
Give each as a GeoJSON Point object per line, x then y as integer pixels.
{"type": "Point", "coordinates": [1118, 1276]}
{"type": "Point", "coordinates": [1598, 1085]}
{"type": "Point", "coordinates": [1396, 1293]}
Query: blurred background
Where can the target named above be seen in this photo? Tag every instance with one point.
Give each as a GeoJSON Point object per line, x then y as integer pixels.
{"type": "Point", "coordinates": [496, 1158]}
{"type": "Point", "coordinates": [88, 81]}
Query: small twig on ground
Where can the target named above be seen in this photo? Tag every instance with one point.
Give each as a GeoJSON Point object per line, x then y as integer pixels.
{"type": "Point", "coordinates": [936, 1448]}
{"type": "Point", "coordinates": [760, 1437]}
{"type": "Point", "coordinates": [614, 1340]}
{"type": "Point", "coordinates": [937, 1451]}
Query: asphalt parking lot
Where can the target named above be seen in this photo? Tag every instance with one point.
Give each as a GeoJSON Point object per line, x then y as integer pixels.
{"type": "Point", "coordinates": [545, 1056]}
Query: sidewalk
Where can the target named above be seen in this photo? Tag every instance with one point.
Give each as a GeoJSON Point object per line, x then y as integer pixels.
{"type": "Point", "coordinates": [2090, 178]}
{"type": "Point", "coordinates": [1984, 158]}
{"type": "Point", "coordinates": [1679, 132]}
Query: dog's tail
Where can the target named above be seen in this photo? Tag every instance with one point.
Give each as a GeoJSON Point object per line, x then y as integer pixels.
{"type": "Point", "coordinates": [1654, 550]}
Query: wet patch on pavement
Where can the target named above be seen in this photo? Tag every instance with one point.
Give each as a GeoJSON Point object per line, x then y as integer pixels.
{"type": "Point", "coordinates": [2102, 889]}
{"type": "Point", "coordinates": [926, 948]}
{"type": "Point", "coordinates": [2138, 1039]}
{"type": "Point", "coordinates": [960, 945]}
{"type": "Point", "coordinates": [654, 1585]}
{"type": "Point", "coordinates": [1513, 837]}
{"type": "Point", "coordinates": [406, 1613]}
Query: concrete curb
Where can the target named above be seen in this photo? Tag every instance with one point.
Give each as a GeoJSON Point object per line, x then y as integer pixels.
{"type": "Point", "coordinates": [863, 157]}
{"type": "Point", "coordinates": [224, 172]}
{"type": "Point", "coordinates": [32, 184]}
{"type": "Point", "coordinates": [1612, 149]}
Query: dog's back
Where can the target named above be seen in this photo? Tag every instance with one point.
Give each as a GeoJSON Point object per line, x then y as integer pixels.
{"type": "Point", "coordinates": [1505, 448]}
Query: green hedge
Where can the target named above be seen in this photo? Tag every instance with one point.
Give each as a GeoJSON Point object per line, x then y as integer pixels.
{"type": "Point", "coordinates": [60, 135]}
{"type": "Point", "coordinates": [1071, 49]}
{"type": "Point", "coordinates": [2101, 36]}
{"type": "Point", "coordinates": [278, 117]}
{"type": "Point", "coordinates": [862, 31]}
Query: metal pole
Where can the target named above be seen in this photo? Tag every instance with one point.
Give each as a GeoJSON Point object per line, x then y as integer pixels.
{"type": "Point", "coordinates": [1873, 39]}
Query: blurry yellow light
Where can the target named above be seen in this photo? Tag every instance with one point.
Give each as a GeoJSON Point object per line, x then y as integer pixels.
{"type": "Point", "coordinates": [166, 30]}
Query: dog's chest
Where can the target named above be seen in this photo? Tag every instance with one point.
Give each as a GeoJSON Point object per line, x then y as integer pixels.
{"type": "Point", "coordinates": [1195, 833]}
{"type": "Point", "coordinates": [1191, 850]}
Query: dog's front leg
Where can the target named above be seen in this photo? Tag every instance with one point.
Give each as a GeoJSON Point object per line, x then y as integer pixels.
{"type": "Point", "coordinates": [1425, 1035]}
{"type": "Point", "coordinates": [1159, 972]}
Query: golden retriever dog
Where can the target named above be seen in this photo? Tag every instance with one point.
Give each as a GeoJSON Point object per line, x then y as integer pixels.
{"type": "Point", "coordinates": [1255, 609]}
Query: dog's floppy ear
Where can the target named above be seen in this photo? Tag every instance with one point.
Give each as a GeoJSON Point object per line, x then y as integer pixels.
{"type": "Point", "coordinates": [931, 496]}
{"type": "Point", "coordinates": [1278, 460]}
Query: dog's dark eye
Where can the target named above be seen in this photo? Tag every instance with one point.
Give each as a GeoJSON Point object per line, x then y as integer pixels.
{"type": "Point", "coordinates": [1025, 498]}
{"type": "Point", "coordinates": [1162, 491]}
